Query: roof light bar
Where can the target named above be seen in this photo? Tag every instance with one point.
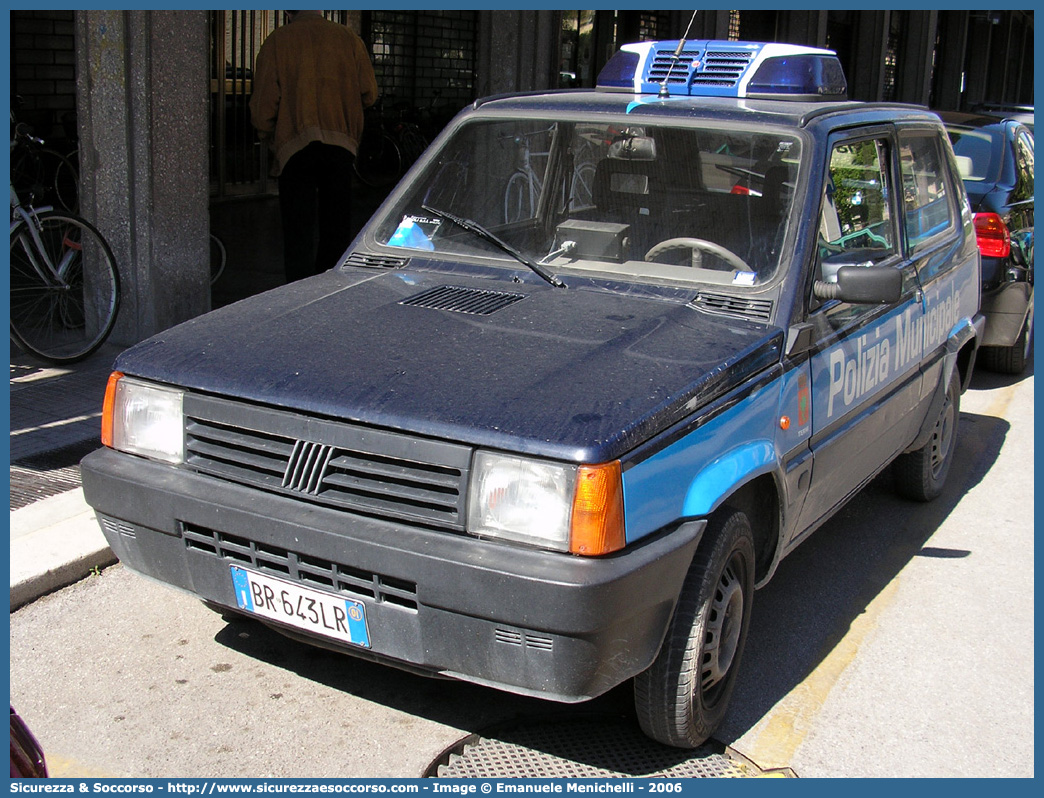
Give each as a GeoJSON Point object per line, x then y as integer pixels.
{"type": "Point", "coordinates": [726, 69]}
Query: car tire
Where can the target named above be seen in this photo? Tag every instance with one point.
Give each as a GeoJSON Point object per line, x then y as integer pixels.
{"type": "Point", "coordinates": [921, 474]}
{"type": "Point", "coordinates": [682, 697]}
{"type": "Point", "coordinates": [1010, 359]}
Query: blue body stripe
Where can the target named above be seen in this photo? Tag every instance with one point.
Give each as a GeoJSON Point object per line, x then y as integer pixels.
{"type": "Point", "coordinates": [689, 477]}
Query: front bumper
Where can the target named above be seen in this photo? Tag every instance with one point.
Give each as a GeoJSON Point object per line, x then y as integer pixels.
{"type": "Point", "coordinates": [527, 621]}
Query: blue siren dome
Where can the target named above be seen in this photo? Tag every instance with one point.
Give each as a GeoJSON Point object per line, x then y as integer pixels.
{"type": "Point", "coordinates": [714, 68]}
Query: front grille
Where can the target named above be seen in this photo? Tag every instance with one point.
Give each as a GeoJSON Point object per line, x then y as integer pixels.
{"type": "Point", "coordinates": [335, 464]}
{"type": "Point", "coordinates": [311, 572]}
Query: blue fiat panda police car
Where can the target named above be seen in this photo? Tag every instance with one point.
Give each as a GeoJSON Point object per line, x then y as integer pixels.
{"type": "Point", "coordinates": [600, 361]}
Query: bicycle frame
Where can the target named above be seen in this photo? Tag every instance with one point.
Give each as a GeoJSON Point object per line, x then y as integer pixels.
{"type": "Point", "coordinates": [37, 255]}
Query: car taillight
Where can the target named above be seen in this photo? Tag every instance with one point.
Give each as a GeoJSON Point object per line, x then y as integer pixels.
{"type": "Point", "coordinates": [992, 236]}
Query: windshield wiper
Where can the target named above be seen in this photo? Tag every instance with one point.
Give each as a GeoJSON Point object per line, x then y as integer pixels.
{"type": "Point", "coordinates": [474, 227]}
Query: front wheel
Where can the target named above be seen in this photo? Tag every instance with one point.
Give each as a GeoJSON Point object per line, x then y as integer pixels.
{"type": "Point", "coordinates": [921, 474]}
{"type": "Point", "coordinates": [682, 698]}
{"type": "Point", "coordinates": [65, 288]}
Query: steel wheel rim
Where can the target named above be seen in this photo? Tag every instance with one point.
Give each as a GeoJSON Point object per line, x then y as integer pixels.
{"type": "Point", "coordinates": [724, 628]}
{"type": "Point", "coordinates": [942, 436]}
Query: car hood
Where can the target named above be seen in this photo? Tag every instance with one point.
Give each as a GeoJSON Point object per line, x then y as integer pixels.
{"type": "Point", "coordinates": [579, 374]}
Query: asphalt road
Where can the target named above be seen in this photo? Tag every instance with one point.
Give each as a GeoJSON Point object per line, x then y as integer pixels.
{"type": "Point", "coordinates": [897, 641]}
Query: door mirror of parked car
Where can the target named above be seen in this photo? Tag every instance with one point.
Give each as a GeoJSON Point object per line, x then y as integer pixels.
{"type": "Point", "coordinates": [863, 284]}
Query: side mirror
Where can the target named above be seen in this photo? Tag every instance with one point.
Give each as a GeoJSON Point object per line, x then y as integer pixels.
{"type": "Point", "coordinates": [867, 285]}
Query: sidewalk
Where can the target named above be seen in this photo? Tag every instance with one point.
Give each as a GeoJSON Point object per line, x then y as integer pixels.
{"type": "Point", "coordinates": [56, 412]}
{"type": "Point", "coordinates": [55, 421]}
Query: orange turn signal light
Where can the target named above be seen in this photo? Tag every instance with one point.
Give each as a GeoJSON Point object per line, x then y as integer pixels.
{"type": "Point", "coordinates": [598, 510]}
{"type": "Point", "coordinates": [109, 408]}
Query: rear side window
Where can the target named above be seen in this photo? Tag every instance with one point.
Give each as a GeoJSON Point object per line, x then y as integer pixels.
{"type": "Point", "coordinates": [979, 151]}
{"type": "Point", "coordinates": [927, 207]}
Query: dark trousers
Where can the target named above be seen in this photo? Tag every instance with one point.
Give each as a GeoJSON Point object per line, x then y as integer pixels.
{"type": "Point", "coordinates": [315, 197]}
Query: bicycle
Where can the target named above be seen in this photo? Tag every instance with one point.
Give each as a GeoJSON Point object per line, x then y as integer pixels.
{"type": "Point", "coordinates": [525, 184]}
{"type": "Point", "coordinates": [388, 148]}
{"type": "Point", "coordinates": [41, 173]}
{"type": "Point", "coordinates": [65, 287]}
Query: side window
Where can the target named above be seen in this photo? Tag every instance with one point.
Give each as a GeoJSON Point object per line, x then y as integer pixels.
{"type": "Point", "coordinates": [927, 209]}
{"type": "Point", "coordinates": [856, 225]}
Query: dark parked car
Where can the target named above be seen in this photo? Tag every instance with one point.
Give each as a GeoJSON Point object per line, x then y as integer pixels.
{"type": "Point", "coordinates": [995, 156]}
{"type": "Point", "coordinates": [1020, 113]}
{"type": "Point", "coordinates": [601, 360]}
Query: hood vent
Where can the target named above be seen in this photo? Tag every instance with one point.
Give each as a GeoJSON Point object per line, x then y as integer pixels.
{"type": "Point", "coordinates": [371, 261]}
{"type": "Point", "coordinates": [473, 301]}
{"type": "Point", "coordinates": [723, 304]}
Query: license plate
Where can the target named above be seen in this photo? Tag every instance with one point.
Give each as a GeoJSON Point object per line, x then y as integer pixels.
{"type": "Point", "coordinates": [330, 616]}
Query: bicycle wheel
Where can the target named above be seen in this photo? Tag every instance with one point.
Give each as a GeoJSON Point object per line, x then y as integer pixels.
{"type": "Point", "coordinates": [518, 204]}
{"type": "Point", "coordinates": [379, 162]}
{"type": "Point", "coordinates": [65, 289]}
{"type": "Point", "coordinates": [412, 144]}
{"type": "Point", "coordinates": [217, 258]}
{"type": "Point", "coordinates": [67, 181]}
{"type": "Point", "coordinates": [581, 192]}
{"type": "Point", "coordinates": [448, 190]}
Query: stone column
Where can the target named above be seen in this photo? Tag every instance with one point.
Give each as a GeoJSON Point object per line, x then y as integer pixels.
{"type": "Point", "coordinates": [517, 51]}
{"type": "Point", "coordinates": [807, 28]}
{"type": "Point", "coordinates": [949, 67]}
{"type": "Point", "coordinates": [870, 45]}
{"type": "Point", "coordinates": [913, 79]}
{"type": "Point", "coordinates": [142, 104]}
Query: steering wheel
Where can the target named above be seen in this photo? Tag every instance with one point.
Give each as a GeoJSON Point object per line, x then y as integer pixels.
{"type": "Point", "coordinates": [718, 251]}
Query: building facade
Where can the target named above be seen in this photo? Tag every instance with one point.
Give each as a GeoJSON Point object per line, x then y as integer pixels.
{"type": "Point", "coordinates": [154, 102]}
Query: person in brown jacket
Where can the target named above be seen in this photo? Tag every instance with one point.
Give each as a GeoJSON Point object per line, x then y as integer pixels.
{"type": "Point", "coordinates": [312, 79]}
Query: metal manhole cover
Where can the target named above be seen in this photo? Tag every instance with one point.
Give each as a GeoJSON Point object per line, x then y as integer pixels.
{"type": "Point", "coordinates": [43, 475]}
{"type": "Point", "coordinates": [610, 747]}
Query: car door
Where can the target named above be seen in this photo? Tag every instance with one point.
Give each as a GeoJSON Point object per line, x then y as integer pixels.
{"type": "Point", "coordinates": [865, 358]}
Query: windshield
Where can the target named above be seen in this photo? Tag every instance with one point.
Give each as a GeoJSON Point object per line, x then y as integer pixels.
{"type": "Point", "coordinates": [649, 202]}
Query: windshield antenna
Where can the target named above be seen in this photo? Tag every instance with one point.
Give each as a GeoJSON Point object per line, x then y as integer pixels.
{"type": "Point", "coordinates": [664, 92]}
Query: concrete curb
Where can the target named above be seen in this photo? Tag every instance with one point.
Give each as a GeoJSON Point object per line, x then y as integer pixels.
{"type": "Point", "coordinates": [54, 543]}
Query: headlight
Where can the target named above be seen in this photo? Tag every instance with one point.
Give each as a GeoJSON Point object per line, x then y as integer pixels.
{"type": "Point", "coordinates": [560, 507]}
{"type": "Point", "coordinates": [144, 419]}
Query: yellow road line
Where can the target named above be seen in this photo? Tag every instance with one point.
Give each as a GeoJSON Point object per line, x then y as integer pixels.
{"type": "Point", "coordinates": [790, 720]}
{"type": "Point", "coordinates": [59, 767]}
